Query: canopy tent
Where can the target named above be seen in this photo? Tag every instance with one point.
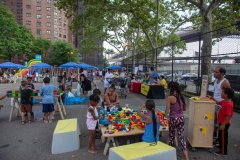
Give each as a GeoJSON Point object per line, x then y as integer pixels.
{"type": "Point", "coordinates": [69, 65]}
{"type": "Point", "coordinates": [87, 66]}
{"type": "Point", "coordinates": [41, 65]}
{"type": "Point", "coordinates": [11, 65]}
{"type": "Point", "coordinates": [114, 67]}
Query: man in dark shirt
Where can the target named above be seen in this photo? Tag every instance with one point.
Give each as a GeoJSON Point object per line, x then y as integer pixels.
{"type": "Point", "coordinates": [26, 102]}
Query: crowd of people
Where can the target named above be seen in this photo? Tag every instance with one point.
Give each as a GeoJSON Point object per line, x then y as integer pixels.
{"type": "Point", "coordinates": [175, 104]}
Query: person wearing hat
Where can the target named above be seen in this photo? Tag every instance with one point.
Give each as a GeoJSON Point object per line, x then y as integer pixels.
{"type": "Point", "coordinates": [108, 80]}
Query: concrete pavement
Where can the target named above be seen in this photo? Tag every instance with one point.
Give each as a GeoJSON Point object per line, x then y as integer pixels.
{"type": "Point", "coordinates": [33, 141]}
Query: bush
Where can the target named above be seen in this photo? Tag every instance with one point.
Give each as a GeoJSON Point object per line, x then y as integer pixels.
{"type": "Point", "coordinates": [183, 86]}
{"type": "Point", "coordinates": [236, 101]}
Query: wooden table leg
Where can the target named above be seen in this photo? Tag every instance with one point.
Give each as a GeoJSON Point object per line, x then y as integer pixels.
{"type": "Point", "coordinates": [12, 109]}
{"type": "Point", "coordinates": [64, 111]}
{"type": "Point", "coordinates": [19, 107]}
{"type": "Point", "coordinates": [60, 111]}
{"type": "Point", "coordinates": [106, 147]}
{"type": "Point", "coordinates": [113, 141]}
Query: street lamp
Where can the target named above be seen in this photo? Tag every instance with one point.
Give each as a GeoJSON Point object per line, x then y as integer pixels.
{"type": "Point", "coordinates": [71, 53]}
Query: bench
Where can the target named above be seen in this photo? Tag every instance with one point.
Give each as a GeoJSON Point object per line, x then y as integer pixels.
{"type": "Point", "coordinates": [66, 136]}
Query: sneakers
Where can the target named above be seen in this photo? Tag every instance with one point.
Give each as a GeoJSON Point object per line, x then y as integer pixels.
{"type": "Point", "coordinates": [220, 154]}
{"type": "Point", "coordinates": [45, 121]}
{"type": "Point", "coordinates": [50, 121]}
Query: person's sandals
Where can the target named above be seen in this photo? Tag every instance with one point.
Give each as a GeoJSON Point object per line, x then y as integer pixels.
{"type": "Point", "coordinates": [23, 122]}
{"type": "Point", "coordinates": [45, 121]}
{"type": "Point", "coordinates": [50, 121]}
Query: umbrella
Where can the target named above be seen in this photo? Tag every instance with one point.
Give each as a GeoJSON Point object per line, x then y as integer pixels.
{"type": "Point", "coordinates": [114, 67]}
{"type": "Point", "coordinates": [41, 65]}
{"type": "Point", "coordinates": [87, 66]}
{"type": "Point", "coordinates": [69, 65]}
{"type": "Point", "coordinates": [11, 65]}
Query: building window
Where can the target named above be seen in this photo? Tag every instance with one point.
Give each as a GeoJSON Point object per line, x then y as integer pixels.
{"type": "Point", "coordinates": [28, 6]}
{"type": "Point", "coordinates": [55, 32]}
{"type": "Point", "coordinates": [64, 36]}
{"type": "Point", "coordinates": [55, 26]}
{"type": "Point", "coordinates": [11, 3]}
{"type": "Point", "coordinates": [19, 11]}
{"type": "Point", "coordinates": [19, 4]}
{"type": "Point", "coordinates": [38, 1]}
{"type": "Point", "coordinates": [39, 31]}
{"type": "Point", "coordinates": [28, 0]}
{"type": "Point", "coordinates": [65, 19]}
{"type": "Point", "coordinates": [55, 13]}
{"type": "Point", "coordinates": [48, 24]}
{"type": "Point", "coordinates": [18, 17]}
{"type": "Point", "coordinates": [48, 8]}
{"type": "Point", "coordinates": [3, 2]}
{"type": "Point", "coordinates": [48, 32]}
{"type": "Point", "coordinates": [60, 23]}
{"type": "Point", "coordinates": [60, 18]}
{"type": "Point", "coordinates": [60, 29]}
{"type": "Point", "coordinates": [55, 20]}
{"type": "Point", "coordinates": [28, 14]}
{"type": "Point", "coordinates": [48, 1]}
{"type": "Point", "coordinates": [28, 22]}
{"type": "Point", "coordinates": [48, 16]}
{"type": "Point", "coordinates": [12, 10]}
{"type": "Point", "coordinates": [64, 25]}
{"type": "Point", "coordinates": [64, 31]}
{"type": "Point", "coordinates": [60, 35]}
{"type": "Point", "coordinates": [39, 16]}
{"type": "Point", "coordinates": [55, 38]}
{"type": "Point", "coordinates": [38, 24]}
{"type": "Point", "coordinates": [49, 39]}
{"type": "Point", "coordinates": [38, 8]}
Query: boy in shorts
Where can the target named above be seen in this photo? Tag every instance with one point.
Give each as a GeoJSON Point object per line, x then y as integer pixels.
{"type": "Point", "coordinates": [25, 102]}
{"type": "Point", "coordinates": [48, 102]}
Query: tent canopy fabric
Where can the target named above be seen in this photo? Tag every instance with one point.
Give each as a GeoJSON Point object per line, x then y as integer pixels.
{"type": "Point", "coordinates": [41, 65]}
{"type": "Point", "coordinates": [69, 65]}
{"type": "Point", "coordinates": [114, 67]}
{"type": "Point", "coordinates": [11, 65]}
{"type": "Point", "coordinates": [87, 66]}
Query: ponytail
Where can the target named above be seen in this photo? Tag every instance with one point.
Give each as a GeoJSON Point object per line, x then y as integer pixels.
{"type": "Point", "coordinates": [154, 124]}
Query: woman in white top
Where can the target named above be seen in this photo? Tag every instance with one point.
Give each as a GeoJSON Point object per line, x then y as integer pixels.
{"type": "Point", "coordinates": [108, 80]}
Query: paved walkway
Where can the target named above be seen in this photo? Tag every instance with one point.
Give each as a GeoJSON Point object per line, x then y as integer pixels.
{"type": "Point", "coordinates": [33, 141]}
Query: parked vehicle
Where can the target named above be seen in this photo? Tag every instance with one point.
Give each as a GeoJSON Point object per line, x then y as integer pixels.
{"type": "Point", "coordinates": [189, 76]}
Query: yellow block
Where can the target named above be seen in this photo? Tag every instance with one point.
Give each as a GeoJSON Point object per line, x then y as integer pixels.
{"type": "Point", "coordinates": [144, 89]}
{"type": "Point", "coordinates": [140, 149]}
{"type": "Point", "coordinates": [67, 125]}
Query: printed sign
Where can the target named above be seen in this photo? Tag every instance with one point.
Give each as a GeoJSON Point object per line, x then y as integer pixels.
{"type": "Point", "coordinates": [144, 89]}
{"type": "Point", "coordinates": [204, 86]}
{"type": "Point", "coordinates": [203, 130]}
{"type": "Point", "coordinates": [208, 117]}
{"type": "Point", "coordinates": [38, 56]}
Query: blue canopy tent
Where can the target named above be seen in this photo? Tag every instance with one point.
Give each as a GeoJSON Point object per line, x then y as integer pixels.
{"type": "Point", "coordinates": [69, 65]}
{"type": "Point", "coordinates": [11, 65]}
{"type": "Point", "coordinates": [41, 65]}
{"type": "Point", "coordinates": [116, 67]}
{"type": "Point", "coordinates": [87, 66]}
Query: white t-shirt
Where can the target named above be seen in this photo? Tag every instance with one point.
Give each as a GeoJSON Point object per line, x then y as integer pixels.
{"type": "Point", "coordinates": [100, 73]}
{"type": "Point", "coordinates": [122, 74]}
{"type": "Point", "coordinates": [36, 74]}
{"type": "Point", "coordinates": [85, 73]}
{"type": "Point", "coordinates": [108, 75]}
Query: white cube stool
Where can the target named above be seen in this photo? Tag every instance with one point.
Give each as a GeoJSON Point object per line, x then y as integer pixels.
{"type": "Point", "coordinates": [66, 136]}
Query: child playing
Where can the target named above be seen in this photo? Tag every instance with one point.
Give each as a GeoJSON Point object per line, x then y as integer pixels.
{"type": "Point", "coordinates": [151, 132]}
{"type": "Point", "coordinates": [30, 86]}
{"type": "Point", "coordinates": [224, 119]}
{"type": "Point", "coordinates": [176, 104]}
{"type": "Point", "coordinates": [48, 103]}
{"type": "Point", "coordinates": [92, 117]}
{"type": "Point", "coordinates": [69, 84]}
{"type": "Point", "coordinates": [25, 102]}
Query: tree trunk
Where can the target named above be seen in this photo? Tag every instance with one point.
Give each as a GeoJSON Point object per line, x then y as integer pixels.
{"type": "Point", "coordinates": [133, 59]}
{"type": "Point", "coordinates": [154, 53]}
{"type": "Point", "coordinates": [207, 45]}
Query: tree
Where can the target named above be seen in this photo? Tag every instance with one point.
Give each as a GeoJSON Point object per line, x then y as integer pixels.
{"type": "Point", "coordinates": [105, 62]}
{"type": "Point", "coordinates": [210, 15]}
{"type": "Point", "coordinates": [41, 46]}
{"type": "Point", "coordinates": [150, 16]}
{"type": "Point", "coordinates": [63, 52]}
{"type": "Point", "coordinates": [25, 42]}
{"type": "Point", "coordinates": [8, 33]}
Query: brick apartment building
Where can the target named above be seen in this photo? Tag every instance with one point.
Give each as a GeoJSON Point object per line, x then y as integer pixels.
{"type": "Point", "coordinates": [42, 19]}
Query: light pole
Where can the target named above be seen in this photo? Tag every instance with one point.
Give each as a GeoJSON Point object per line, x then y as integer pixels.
{"type": "Point", "coordinates": [71, 53]}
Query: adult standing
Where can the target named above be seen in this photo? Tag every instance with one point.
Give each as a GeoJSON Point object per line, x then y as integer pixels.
{"type": "Point", "coordinates": [219, 84]}
{"type": "Point", "coordinates": [103, 74]}
{"type": "Point", "coordinates": [33, 76]}
{"type": "Point", "coordinates": [100, 74]}
{"type": "Point", "coordinates": [84, 72]}
{"type": "Point", "coordinates": [37, 77]}
{"type": "Point", "coordinates": [153, 75]}
{"type": "Point", "coordinates": [85, 84]}
{"type": "Point", "coordinates": [108, 80]}
{"type": "Point", "coordinates": [122, 74]}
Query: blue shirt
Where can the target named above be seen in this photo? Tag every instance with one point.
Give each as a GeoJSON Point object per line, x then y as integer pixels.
{"type": "Point", "coordinates": [153, 74]}
{"type": "Point", "coordinates": [47, 92]}
{"type": "Point", "coordinates": [148, 135]}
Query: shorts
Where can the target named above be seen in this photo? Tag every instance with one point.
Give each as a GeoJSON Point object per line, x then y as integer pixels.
{"type": "Point", "coordinates": [107, 84]}
{"type": "Point", "coordinates": [26, 108]}
{"type": "Point", "coordinates": [48, 108]}
{"type": "Point", "coordinates": [91, 124]}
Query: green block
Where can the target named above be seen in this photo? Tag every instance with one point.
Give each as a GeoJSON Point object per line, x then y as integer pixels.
{"type": "Point", "coordinates": [13, 91]}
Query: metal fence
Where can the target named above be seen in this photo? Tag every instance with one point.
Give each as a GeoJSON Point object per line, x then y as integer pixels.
{"type": "Point", "coordinates": [174, 60]}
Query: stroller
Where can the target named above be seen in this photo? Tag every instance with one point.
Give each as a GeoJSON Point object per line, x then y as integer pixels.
{"type": "Point", "coordinates": [121, 85]}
